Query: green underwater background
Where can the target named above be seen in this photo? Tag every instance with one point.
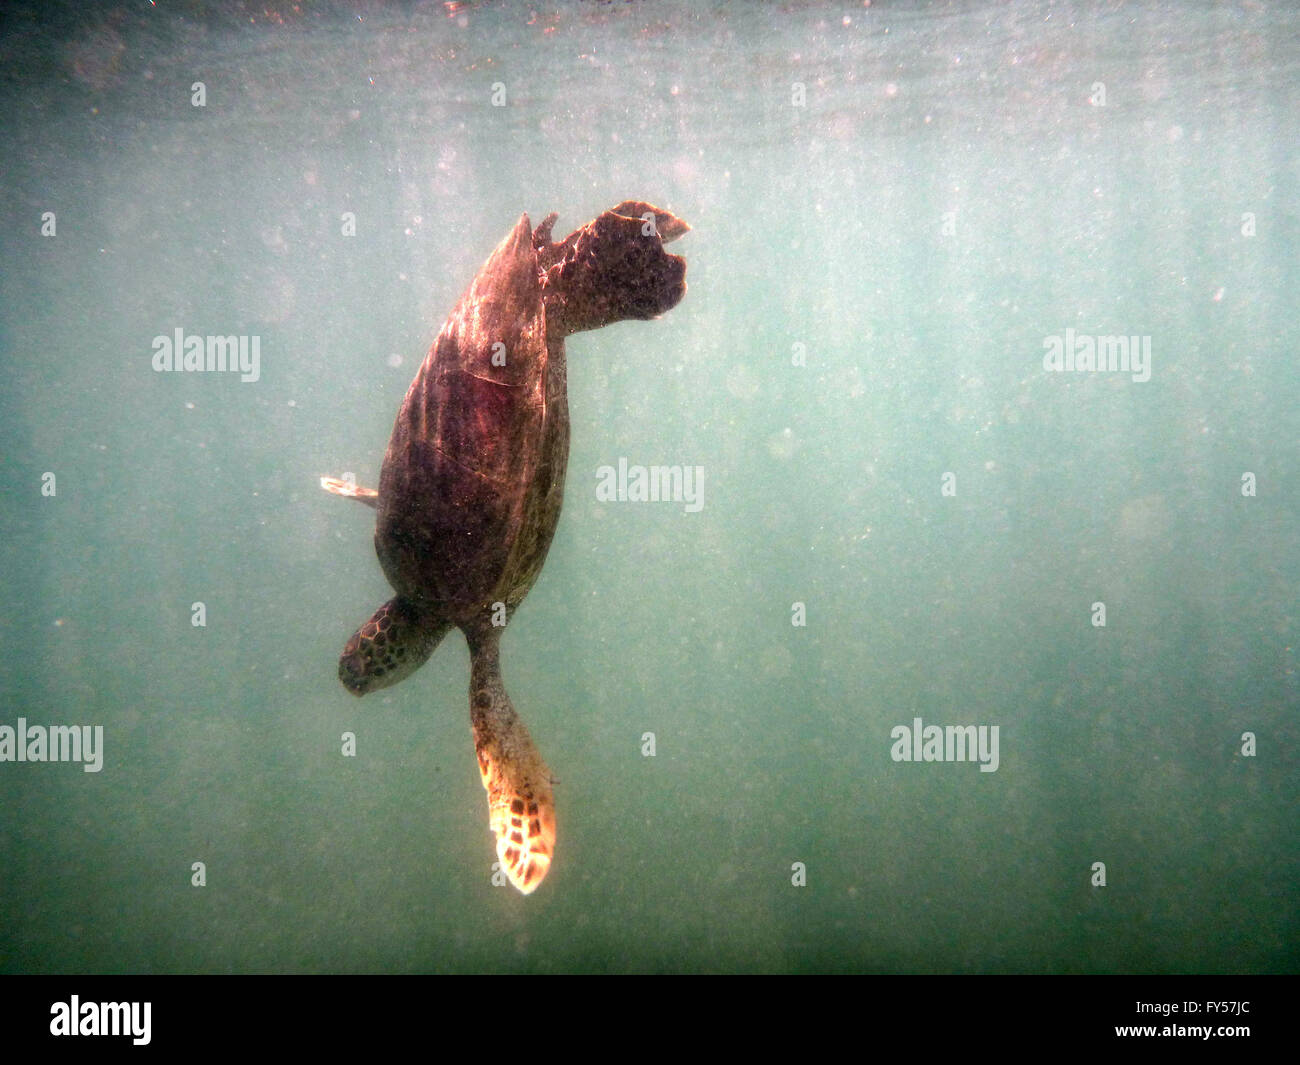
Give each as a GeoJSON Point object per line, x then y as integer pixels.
{"type": "Point", "coordinates": [906, 513]}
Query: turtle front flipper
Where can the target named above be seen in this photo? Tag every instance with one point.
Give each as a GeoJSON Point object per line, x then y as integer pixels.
{"type": "Point", "coordinates": [348, 490]}
{"type": "Point", "coordinates": [396, 641]}
{"type": "Point", "coordinates": [521, 804]}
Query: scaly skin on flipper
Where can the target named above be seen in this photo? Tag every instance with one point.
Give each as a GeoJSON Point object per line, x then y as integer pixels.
{"type": "Point", "coordinates": [396, 641]}
{"type": "Point", "coordinates": [473, 480]}
{"type": "Point", "coordinates": [521, 805]}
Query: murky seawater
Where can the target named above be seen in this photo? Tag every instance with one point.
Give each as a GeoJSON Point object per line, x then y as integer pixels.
{"type": "Point", "coordinates": [902, 214]}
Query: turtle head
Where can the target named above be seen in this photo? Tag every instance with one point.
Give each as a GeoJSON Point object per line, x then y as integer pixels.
{"type": "Point", "coordinates": [667, 224]}
{"type": "Point", "coordinates": [396, 641]}
{"type": "Point", "coordinates": [614, 268]}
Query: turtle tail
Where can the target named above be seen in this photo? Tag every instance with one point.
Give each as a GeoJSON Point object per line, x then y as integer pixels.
{"type": "Point", "coordinates": [615, 268]}
{"type": "Point", "coordinates": [521, 804]}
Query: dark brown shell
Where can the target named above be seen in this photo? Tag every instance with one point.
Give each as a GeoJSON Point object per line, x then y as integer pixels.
{"type": "Point", "coordinates": [471, 485]}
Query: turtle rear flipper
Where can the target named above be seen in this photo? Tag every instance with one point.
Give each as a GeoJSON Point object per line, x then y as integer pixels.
{"type": "Point", "coordinates": [521, 804]}
{"type": "Point", "coordinates": [348, 490]}
{"type": "Point", "coordinates": [615, 268]}
{"type": "Point", "coordinates": [396, 641]}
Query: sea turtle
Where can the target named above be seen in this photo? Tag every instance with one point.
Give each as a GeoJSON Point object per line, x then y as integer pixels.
{"type": "Point", "coordinates": [472, 482]}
